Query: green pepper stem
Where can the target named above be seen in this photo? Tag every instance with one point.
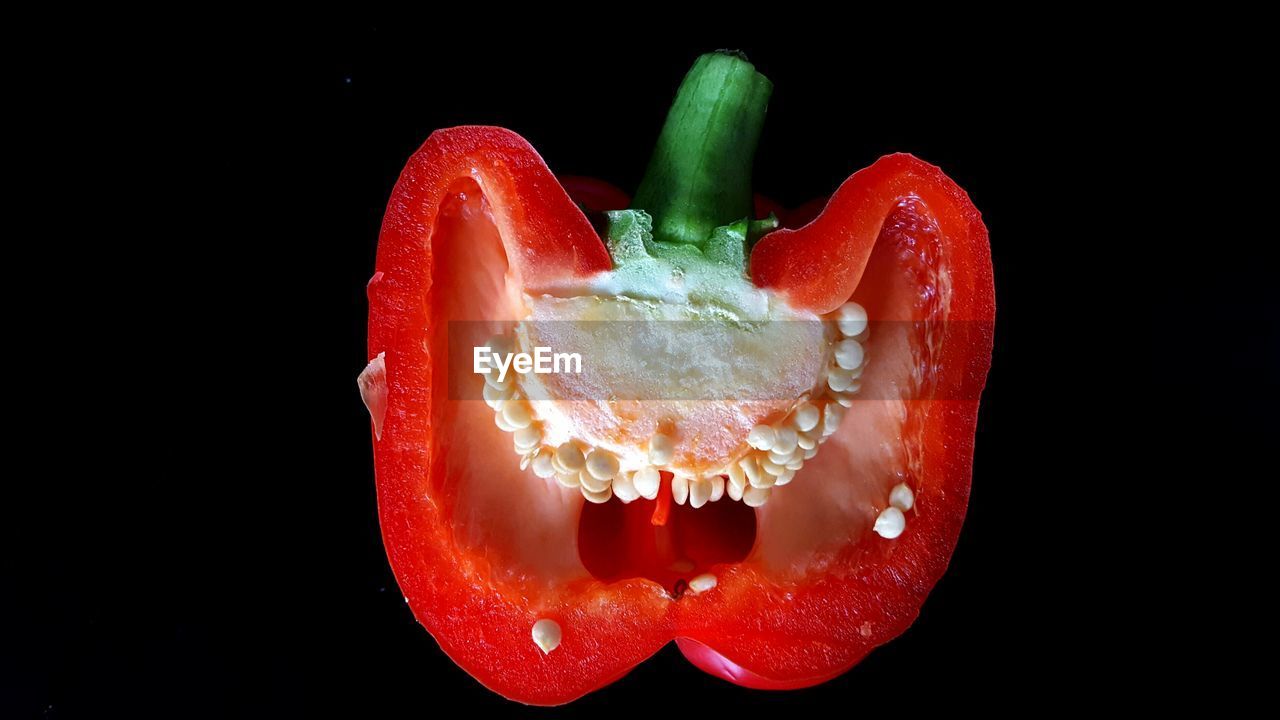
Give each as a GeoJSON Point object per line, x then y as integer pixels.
{"type": "Point", "coordinates": [699, 176]}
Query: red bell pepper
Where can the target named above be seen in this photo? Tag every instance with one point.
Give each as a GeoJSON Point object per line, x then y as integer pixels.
{"type": "Point", "coordinates": [804, 585]}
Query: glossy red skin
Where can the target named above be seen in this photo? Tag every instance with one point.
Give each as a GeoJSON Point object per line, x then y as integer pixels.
{"type": "Point", "coordinates": [743, 630]}
{"type": "Point", "coordinates": [817, 266]}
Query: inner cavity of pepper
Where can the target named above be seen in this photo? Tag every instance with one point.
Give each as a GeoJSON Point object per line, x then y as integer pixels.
{"type": "Point", "coordinates": [617, 541]}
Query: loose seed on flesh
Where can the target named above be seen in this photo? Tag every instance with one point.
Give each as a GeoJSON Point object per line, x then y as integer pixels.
{"type": "Point", "coordinates": [546, 635]}
{"type": "Point", "coordinates": [890, 523]}
{"type": "Point", "coordinates": [901, 497]}
{"type": "Point", "coordinates": [702, 583]}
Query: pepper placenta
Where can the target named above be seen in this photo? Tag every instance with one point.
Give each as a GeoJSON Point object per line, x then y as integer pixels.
{"type": "Point", "coordinates": [776, 542]}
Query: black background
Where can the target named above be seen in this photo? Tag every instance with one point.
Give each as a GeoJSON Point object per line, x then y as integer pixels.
{"type": "Point", "coordinates": [247, 576]}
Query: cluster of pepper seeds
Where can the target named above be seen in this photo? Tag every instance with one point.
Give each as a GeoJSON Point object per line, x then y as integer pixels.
{"type": "Point", "coordinates": [776, 452]}
{"type": "Point", "coordinates": [596, 472]}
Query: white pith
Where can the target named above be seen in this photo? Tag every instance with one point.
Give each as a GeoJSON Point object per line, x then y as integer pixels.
{"type": "Point", "coordinates": [768, 456]}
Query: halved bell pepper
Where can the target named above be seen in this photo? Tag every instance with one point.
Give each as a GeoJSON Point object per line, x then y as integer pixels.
{"type": "Point", "coordinates": [543, 593]}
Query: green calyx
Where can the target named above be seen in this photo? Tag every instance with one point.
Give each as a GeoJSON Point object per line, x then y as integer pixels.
{"type": "Point", "coordinates": [694, 204]}
{"type": "Point", "coordinates": [631, 238]}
